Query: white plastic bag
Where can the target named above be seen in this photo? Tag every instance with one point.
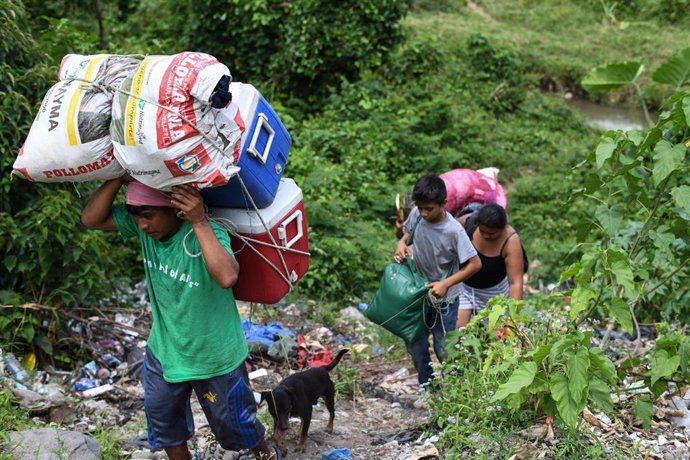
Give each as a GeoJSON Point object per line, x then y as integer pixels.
{"type": "Point", "coordinates": [165, 131]}
{"type": "Point", "coordinates": [69, 140]}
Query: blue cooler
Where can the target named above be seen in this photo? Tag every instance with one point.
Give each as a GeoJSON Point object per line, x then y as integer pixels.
{"type": "Point", "coordinates": [264, 150]}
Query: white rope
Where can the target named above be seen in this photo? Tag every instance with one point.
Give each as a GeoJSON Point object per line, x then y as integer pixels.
{"type": "Point", "coordinates": [268, 230]}
{"type": "Point", "coordinates": [231, 228]}
{"type": "Point", "coordinates": [105, 87]}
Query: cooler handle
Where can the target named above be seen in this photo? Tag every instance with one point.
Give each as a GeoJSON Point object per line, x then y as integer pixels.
{"type": "Point", "coordinates": [261, 124]}
{"type": "Point", "coordinates": [282, 229]}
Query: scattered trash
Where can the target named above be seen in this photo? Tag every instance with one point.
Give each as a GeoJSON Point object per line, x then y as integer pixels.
{"type": "Point", "coordinates": [257, 373]}
{"type": "Point", "coordinates": [85, 384]}
{"type": "Point", "coordinates": [95, 391]}
{"type": "Point", "coordinates": [397, 375]}
{"type": "Point", "coordinates": [337, 454]}
{"type": "Point", "coordinates": [15, 369]}
{"type": "Point", "coordinates": [427, 453]}
{"type": "Point", "coordinates": [111, 360]}
{"type": "Point", "coordinates": [29, 362]}
{"type": "Point", "coordinates": [284, 347]}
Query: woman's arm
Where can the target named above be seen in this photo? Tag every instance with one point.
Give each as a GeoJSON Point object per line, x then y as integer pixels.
{"type": "Point", "coordinates": [513, 257]}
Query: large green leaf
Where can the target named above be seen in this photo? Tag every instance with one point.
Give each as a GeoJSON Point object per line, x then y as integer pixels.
{"type": "Point", "coordinates": [651, 138]}
{"type": "Point", "coordinates": [619, 263]}
{"type": "Point", "coordinates": [684, 352]}
{"type": "Point", "coordinates": [644, 410]}
{"type": "Point", "coordinates": [667, 158]}
{"type": "Point", "coordinates": [600, 393]}
{"type": "Point", "coordinates": [521, 378]}
{"type": "Point", "coordinates": [541, 353]}
{"type": "Point", "coordinates": [663, 365]}
{"type": "Point", "coordinates": [610, 217]}
{"type": "Point", "coordinates": [605, 150]}
{"type": "Point", "coordinates": [675, 71]}
{"type": "Point", "coordinates": [576, 368]}
{"type": "Point", "coordinates": [580, 300]}
{"type": "Point", "coordinates": [681, 195]}
{"type": "Point", "coordinates": [602, 365]}
{"type": "Point", "coordinates": [611, 77]}
{"type": "Point", "coordinates": [497, 310]}
{"type": "Point", "coordinates": [568, 408]}
{"type": "Point", "coordinates": [620, 310]}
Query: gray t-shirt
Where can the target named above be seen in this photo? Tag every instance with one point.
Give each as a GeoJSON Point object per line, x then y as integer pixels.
{"type": "Point", "coordinates": [435, 247]}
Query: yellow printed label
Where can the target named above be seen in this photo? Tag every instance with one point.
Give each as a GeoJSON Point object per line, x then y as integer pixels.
{"type": "Point", "coordinates": [210, 397]}
{"type": "Point", "coordinates": [72, 122]}
{"type": "Point", "coordinates": [133, 102]}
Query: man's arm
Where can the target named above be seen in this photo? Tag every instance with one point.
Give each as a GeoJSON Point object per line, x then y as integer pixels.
{"type": "Point", "coordinates": [220, 263]}
{"type": "Point", "coordinates": [97, 214]}
{"type": "Point", "coordinates": [439, 288]}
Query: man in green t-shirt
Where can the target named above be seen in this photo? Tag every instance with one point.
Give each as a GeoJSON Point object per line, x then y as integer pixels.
{"type": "Point", "coordinates": [196, 340]}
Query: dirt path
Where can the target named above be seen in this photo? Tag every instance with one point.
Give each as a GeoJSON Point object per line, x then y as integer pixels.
{"type": "Point", "coordinates": [377, 424]}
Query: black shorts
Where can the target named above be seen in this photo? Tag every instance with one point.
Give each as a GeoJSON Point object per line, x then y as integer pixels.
{"type": "Point", "coordinates": [227, 400]}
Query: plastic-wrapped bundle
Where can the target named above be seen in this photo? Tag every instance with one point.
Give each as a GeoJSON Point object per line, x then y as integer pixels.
{"type": "Point", "coordinates": [466, 186]}
{"type": "Point", "coordinates": [69, 140]}
{"type": "Point", "coordinates": [167, 131]}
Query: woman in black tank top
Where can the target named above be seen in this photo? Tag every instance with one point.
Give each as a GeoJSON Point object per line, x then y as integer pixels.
{"type": "Point", "coordinates": [499, 248]}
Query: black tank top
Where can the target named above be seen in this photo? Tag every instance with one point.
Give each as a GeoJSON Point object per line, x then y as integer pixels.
{"type": "Point", "coordinates": [493, 269]}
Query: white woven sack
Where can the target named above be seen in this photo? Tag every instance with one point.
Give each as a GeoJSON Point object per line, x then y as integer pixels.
{"type": "Point", "coordinates": [69, 139]}
{"type": "Point", "coordinates": [151, 137]}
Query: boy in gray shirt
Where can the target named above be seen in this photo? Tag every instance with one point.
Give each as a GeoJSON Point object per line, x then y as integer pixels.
{"type": "Point", "coordinates": [439, 245]}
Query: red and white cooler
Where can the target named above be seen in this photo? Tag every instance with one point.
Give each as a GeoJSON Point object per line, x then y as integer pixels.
{"type": "Point", "coordinates": [265, 276]}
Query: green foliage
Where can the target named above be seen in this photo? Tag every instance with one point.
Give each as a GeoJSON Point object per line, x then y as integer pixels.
{"type": "Point", "coordinates": [638, 190]}
{"type": "Point", "coordinates": [46, 255]}
{"type": "Point", "coordinates": [675, 71]}
{"type": "Point", "coordinates": [611, 77]}
{"type": "Point", "coordinates": [644, 410]}
{"type": "Point", "coordinates": [531, 363]}
{"type": "Point", "coordinates": [12, 417]}
{"type": "Point", "coordinates": [668, 361]}
{"type": "Point", "coordinates": [664, 11]}
{"type": "Point", "coordinates": [491, 62]}
{"type": "Point", "coordinates": [301, 48]}
{"type": "Point", "coordinates": [347, 384]}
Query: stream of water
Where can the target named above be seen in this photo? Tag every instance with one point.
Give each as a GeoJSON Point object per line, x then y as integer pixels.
{"type": "Point", "coordinates": [609, 117]}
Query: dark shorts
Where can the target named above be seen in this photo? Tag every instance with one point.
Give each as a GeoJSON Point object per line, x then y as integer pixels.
{"type": "Point", "coordinates": [227, 400]}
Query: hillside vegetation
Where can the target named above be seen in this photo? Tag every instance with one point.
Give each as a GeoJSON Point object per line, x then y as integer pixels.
{"type": "Point", "coordinates": [375, 95]}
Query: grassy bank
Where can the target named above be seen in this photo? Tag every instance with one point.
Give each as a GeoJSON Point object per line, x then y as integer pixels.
{"type": "Point", "coordinates": [560, 40]}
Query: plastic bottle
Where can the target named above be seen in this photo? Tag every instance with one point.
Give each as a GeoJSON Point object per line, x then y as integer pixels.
{"type": "Point", "coordinates": [15, 369]}
{"type": "Point", "coordinates": [400, 373]}
{"type": "Point", "coordinates": [85, 384]}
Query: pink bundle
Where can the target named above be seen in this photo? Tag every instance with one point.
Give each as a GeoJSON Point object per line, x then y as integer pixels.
{"type": "Point", "coordinates": [467, 186]}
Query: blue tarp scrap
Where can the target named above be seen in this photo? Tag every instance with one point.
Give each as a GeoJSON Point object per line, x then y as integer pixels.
{"type": "Point", "coordinates": [337, 454]}
{"type": "Point", "coordinates": [265, 334]}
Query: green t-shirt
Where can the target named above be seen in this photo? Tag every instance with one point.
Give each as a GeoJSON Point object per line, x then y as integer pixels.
{"type": "Point", "coordinates": [196, 331]}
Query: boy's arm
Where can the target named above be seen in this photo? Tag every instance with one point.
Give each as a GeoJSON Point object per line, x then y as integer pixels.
{"type": "Point", "coordinates": [97, 214]}
{"type": "Point", "coordinates": [220, 263]}
{"type": "Point", "coordinates": [439, 288]}
{"type": "Point", "coordinates": [402, 250]}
